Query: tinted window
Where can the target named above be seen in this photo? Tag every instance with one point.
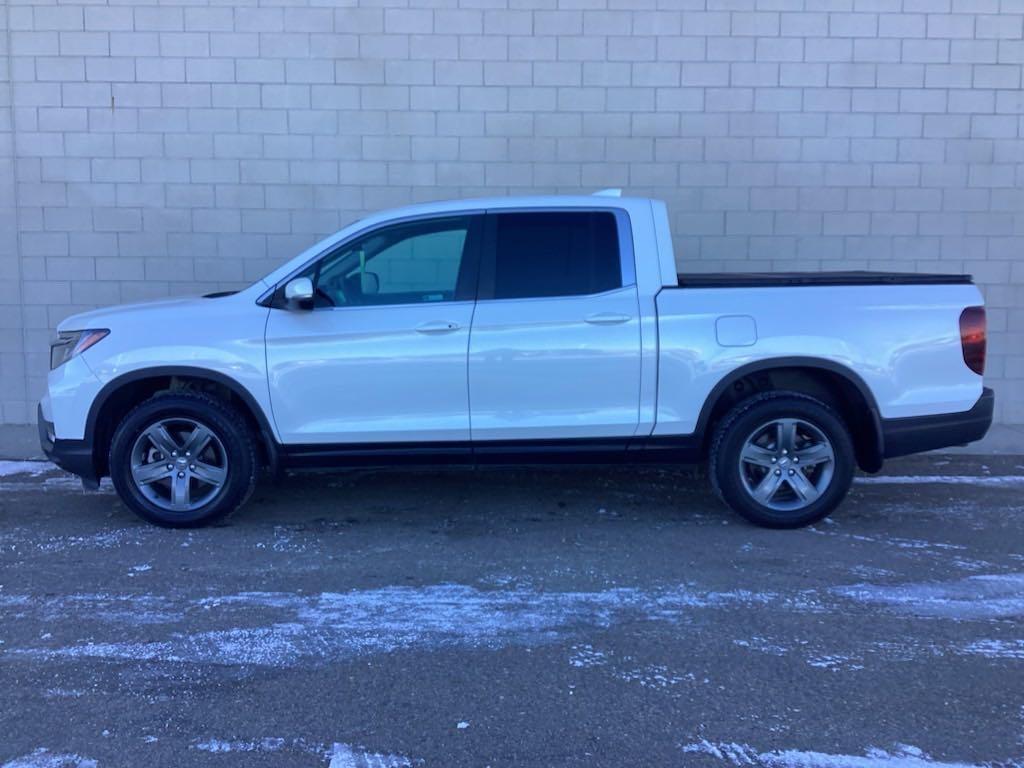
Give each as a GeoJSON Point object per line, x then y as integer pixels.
{"type": "Point", "coordinates": [555, 254]}
{"type": "Point", "coordinates": [401, 264]}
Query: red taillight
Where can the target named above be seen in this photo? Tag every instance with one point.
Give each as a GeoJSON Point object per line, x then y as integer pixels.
{"type": "Point", "coordinates": [972, 338]}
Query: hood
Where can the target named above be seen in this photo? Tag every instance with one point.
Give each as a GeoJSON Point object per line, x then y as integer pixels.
{"type": "Point", "coordinates": [120, 314]}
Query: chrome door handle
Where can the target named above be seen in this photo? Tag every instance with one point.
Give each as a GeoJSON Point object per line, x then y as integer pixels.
{"type": "Point", "coordinates": [439, 326]}
{"type": "Point", "coordinates": [608, 318]}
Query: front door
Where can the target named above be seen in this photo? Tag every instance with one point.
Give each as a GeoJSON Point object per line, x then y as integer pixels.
{"type": "Point", "coordinates": [382, 356]}
{"type": "Point", "coordinates": [555, 349]}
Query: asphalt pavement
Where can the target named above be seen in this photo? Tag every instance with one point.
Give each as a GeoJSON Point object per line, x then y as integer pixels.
{"type": "Point", "coordinates": [568, 617]}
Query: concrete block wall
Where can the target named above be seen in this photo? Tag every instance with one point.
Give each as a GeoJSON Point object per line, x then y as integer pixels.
{"type": "Point", "coordinates": [13, 392]}
{"type": "Point", "coordinates": [177, 146]}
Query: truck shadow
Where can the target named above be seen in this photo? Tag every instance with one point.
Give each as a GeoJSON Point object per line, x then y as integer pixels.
{"type": "Point", "coordinates": [464, 500]}
{"type": "Point", "coordinates": [528, 494]}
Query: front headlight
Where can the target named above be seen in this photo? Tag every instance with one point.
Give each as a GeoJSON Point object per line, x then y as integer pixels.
{"type": "Point", "coordinates": [72, 343]}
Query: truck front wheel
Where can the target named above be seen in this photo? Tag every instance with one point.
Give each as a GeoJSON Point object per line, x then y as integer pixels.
{"type": "Point", "coordinates": [183, 459]}
{"type": "Point", "coordinates": [782, 459]}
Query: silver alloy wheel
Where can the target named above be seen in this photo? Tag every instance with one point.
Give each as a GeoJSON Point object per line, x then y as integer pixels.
{"type": "Point", "coordinates": [786, 464]}
{"type": "Point", "coordinates": [179, 464]}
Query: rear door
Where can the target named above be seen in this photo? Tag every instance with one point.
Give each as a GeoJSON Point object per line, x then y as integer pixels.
{"type": "Point", "coordinates": [555, 346]}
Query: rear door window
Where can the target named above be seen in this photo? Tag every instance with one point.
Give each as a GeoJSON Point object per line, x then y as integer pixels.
{"type": "Point", "coordinates": [554, 253]}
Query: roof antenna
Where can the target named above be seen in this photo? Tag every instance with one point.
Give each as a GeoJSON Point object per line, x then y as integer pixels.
{"type": "Point", "coordinates": [611, 192]}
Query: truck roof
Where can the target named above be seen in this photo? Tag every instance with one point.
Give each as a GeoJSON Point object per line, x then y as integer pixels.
{"type": "Point", "coordinates": [610, 198]}
{"type": "Point", "coordinates": [599, 200]}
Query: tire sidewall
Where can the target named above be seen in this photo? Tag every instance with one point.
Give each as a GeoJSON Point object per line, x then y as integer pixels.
{"type": "Point", "coordinates": [240, 459]}
{"type": "Point", "coordinates": [736, 431]}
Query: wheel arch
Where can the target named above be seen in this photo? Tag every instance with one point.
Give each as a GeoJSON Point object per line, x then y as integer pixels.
{"type": "Point", "coordinates": [836, 384]}
{"type": "Point", "coordinates": [122, 393]}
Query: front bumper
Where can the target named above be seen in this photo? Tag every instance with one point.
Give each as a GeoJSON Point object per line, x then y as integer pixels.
{"type": "Point", "coordinates": [915, 434]}
{"type": "Point", "coordinates": [74, 456]}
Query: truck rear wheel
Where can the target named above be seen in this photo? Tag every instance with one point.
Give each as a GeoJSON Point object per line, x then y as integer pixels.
{"type": "Point", "coordinates": [183, 459]}
{"type": "Point", "coordinates": [782, 459]}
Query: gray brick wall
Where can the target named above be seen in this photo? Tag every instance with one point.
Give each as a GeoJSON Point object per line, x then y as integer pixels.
{"type": "Point", "coordinates": [176, 147]}
{"type": "Point", "coordinates": [13, 393]}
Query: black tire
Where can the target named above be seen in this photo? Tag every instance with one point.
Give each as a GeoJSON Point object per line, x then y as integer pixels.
{"type": "Point", "coordinates": [228, 427]}
{"type": "Point", "coordinates": [744, 420]}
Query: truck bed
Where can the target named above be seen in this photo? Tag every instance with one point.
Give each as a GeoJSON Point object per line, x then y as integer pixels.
{"type": "Point", "coordinates": [772, 279]}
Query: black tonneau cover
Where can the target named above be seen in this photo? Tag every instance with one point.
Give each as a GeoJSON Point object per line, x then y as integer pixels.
{"type": "Point", "coordinates": [772, 279]}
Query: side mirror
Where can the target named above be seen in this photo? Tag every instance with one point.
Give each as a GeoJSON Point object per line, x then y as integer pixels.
{"type": "Point", "coordinates": [298, 293]}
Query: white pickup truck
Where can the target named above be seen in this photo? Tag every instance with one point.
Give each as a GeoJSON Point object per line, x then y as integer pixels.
{"type": "Point", "coordinates": [511, 331]}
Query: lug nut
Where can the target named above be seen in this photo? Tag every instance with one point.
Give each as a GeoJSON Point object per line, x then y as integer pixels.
{"type": "Point", "coordinates": [784, 451]}
{"type": "Point", "coordinates": [774, 459]}
{"type": "Point", "coordinates": [796, 459]}
{"type": "Point", "coordinates": [192, 467]}
{"type": "Point", "coordinates": [778, 471]}
{"type": "Point", "coordinates": [170, 466]}
{"type": "Point", "coordinates": [174, 453]}
{"type": "Point", "coordinates": [188, 453]}
{"type": "Point", "coordinates": [792, 471]}
{"type": "Point", "coordinates": [181, 474]}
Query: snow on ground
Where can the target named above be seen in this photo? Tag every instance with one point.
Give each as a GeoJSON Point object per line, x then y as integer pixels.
{"type": "Point", "coordinates": [764, 645]}
{"type": "Point", "coordinates": [990, 596]}
{"type": "Point", "coordinates": [647, 675]}
{"type": "Point", "coordinates": [900, 756]}
{"type": "Point", "coordinates": [995, 649]}
{"type": "Point", "coordinates": [22, 539]}
{"type": "Point", "coordinates": [44, 758]}
{"type": "Point", "coordinates": [586, 657]}
{"type": "Point", "coordinates": [124, 609]}
{"type": "Point", "coordinates": [339, 755]}
{"type": "Point", "coordinates": [349, 624]}
{"type": "Point", "coordinates": [302, 629]}
{"type": "Point", "coordinates": [344, 756]}
{"type": "Point", "coordinates": [988, 481]}
{"type": "Point", "coordinates": [28, 476]}
{"type": "Point", "coordinates": [8, 468]}
{"type": "Point", "coordinates": [221, 746]}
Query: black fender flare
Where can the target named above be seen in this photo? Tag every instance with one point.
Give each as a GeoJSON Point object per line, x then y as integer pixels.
{"type": "Point", "coordinates": [193, 372]}
{"type": "Point", "coordinates": [870, 463]}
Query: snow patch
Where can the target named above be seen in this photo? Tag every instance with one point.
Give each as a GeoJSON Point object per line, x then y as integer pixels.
{"type": "Point", "coordinates": [763, 644]}
{"type": "Point", "coordinates": [995, 649]}
{"type": "Point", "coordinates": [585, 657]}
{"type": "Point", "coordinates": [835, 662]}
{"type": "Point", "coordinates": [115, 608]}
{"type": "Point", "coordinates": [346, 625]}
{"type": "Point", "coordinates": [9, 468]}
{"type": "Point", "coordinates": [916, 546]}
{"type": "Point", "coordinates": [648, 675]}
{"type": "Point", "coordinates": [901, 756]}
{"type": "Point", "coordinates": [344, 756]}
{"type": "Point", "coordinates": [63, 693]}
{"type": "Point", "coordinates": [44, 758]}
{"type": "Point", "coordinates": [221, 746]}
{"type": "Point", "coordinates": [21, 538]}
{"type": "Point", "coordinates": [975, 597]}
{"type": "Point", "coordinates": [340, 755]}
{"type": "Point", "coordinates": [654, 676]}
{"type": "Point", "coordinates": [988, 481]}
{"type": "Point", "coordinates": [25, 475]}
